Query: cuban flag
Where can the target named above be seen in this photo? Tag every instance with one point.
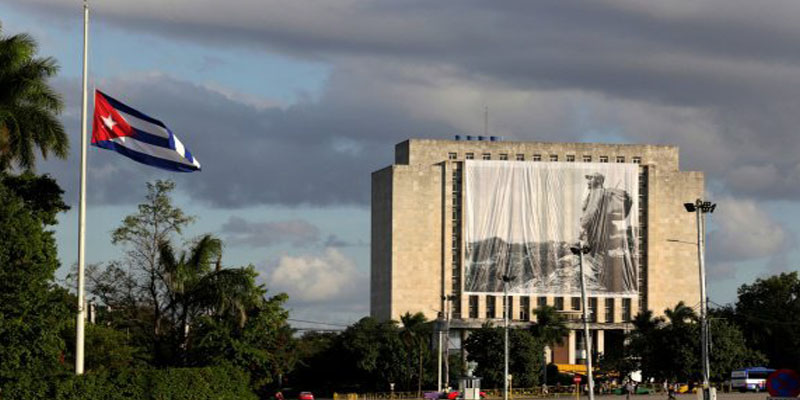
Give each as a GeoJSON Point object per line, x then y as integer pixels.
{"type": "Point", "coordinates": [138, 136]}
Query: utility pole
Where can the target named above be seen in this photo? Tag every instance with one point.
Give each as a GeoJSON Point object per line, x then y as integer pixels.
{"type": "Point", "coordinates": [580, 250]}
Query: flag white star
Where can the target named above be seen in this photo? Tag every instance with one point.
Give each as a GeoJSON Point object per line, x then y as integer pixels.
{"type": "Point", "coordinates": [108, 122]}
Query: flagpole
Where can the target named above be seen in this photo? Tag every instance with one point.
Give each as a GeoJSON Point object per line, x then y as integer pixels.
{"type": "Point", "coordinates": [79, 326]}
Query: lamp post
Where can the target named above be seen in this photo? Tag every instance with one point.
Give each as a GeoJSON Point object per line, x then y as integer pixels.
{"type": "Point", "coordinates": [448, 307]}
{"type": "Point", "coordinates": [700, 208]}
{"type": "Point", "coordinates": [580, 250]}
{"type": "Point", "coordinates": [506, 280]}
{"type": "Point", "coordinates": [444, 347]}
{"type": "Point", "coordinates": [439, 355]}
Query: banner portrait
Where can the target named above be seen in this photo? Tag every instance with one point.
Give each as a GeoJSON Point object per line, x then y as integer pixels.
{"type": "Point", "coordinates": [521, 218]}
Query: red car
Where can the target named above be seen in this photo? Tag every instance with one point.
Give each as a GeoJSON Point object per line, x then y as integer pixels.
{"type": "Point", "coordinates": [305, 396]}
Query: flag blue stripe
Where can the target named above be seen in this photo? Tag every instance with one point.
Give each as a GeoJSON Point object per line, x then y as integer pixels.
{"type": "Point", "coordinates": [159, 141]}
{"type": "Point", "coordinates": [122, 107]}
{"type": "Point", "coordinates": [145, 158]}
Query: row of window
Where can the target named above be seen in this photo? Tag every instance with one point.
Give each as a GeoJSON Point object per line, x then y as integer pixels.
{"type": "Point", "coordinates": [456, 237]}
{"type": "Point", "coordinates": [643, 238]}
{"type": "Point", "coordinates": [538, 157]}
{"type": "Point", "coordinates": [525, 307]}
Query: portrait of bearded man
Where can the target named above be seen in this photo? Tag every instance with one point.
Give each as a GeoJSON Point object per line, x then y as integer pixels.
{"type": "Point", "coordinates": [605, 230]}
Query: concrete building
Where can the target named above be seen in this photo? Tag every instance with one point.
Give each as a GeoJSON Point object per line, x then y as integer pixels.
{"type": "Point", "coordinates": [417, 254]}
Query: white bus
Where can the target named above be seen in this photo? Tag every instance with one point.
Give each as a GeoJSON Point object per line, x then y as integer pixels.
{"type": "Point", "coordinates": [753, 378]}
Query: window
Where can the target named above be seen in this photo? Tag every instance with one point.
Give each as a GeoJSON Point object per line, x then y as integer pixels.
{"type": "Point", "coordinates": [452, 156]}
{"type": "Point", "coordinates": [510, 306]}
{"type": "Point", "coordinates": [490, 304]}
{"type": "Point", "coordinates": [587, 158]}
{"type": "Point", "coordinates": [470, 156]}
{"type": "Point", "coordinates": [559, 303]}
{"type": "Point", "coordinates": [487, 156]}
{"type": "Point", "coordinates": [553, 157]}
{"type": "Point", "coordinates": [473, 306]}
{"type": "Point", "coordinates": [576, 304]}
{"type": "Point", "coordinates": [570, 158]}
{"type": "Point", "coordinates": [609, 309]}
{"type": "Point", "coordinates": [504, 156]}
{"type": "Point", "coordinates": [593, 309]}
{"type": "Point", "coordinates": [620, 159]}
{"type": "Point", "coordinates": [537, 157]}
{"type": "Point", "coordinates": [604, 159]}
{"type": "Point", "coordinates": [637, 160]}
{"type": "Point", "coordinates": [520, 157]}
{"type": "Point", "coordinates": [541, 301]}
{"type": "Point", "coordinates": [626, 310]}
{"type": "Point", "coordinates": [524, 308]}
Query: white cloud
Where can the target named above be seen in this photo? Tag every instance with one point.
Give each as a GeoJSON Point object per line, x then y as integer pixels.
{"type": "Point", "coordinates": [311, 278]}
{"type": "Point", "coordinates": [745, 231]}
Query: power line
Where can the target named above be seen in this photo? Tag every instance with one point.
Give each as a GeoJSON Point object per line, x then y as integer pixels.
{"type": "Point", "coordinates": [318, 330]}
{"type": "Point", "coordinates": [316, 322]}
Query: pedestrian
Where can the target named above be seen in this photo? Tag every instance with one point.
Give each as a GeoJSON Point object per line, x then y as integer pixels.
{"type": "Point", "coordinates": [671, 392]}
{"type": "Point", "coordinates": [628, 390]}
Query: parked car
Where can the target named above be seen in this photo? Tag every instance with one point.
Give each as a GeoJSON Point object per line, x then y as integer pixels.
{"type": "Point", "coordinates": [305, 396]}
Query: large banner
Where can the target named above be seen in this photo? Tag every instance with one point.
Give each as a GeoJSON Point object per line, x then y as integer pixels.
{"type": "Point", "coordinates": [521, 218]}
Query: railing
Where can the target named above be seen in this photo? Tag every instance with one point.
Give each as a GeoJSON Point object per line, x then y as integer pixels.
{"type": "Point", "coordinates": [513, 393]}
{"type": "Point", "coordinates": [553, 391]}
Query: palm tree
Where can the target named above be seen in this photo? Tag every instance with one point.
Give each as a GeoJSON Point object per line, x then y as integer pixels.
{"type": "Point", "coordinates": [28, 105]}
{"type": "Point", "coordinates": [680, 314]}
{"type": "Point", "coordinates": [550, 327]}
{"type": "Point", "coordinates": [415, 332]}
{"type": "Point", "coordinates": [197, 285]}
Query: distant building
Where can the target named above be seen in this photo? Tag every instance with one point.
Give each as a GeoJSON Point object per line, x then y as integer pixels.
{"type": "Point", "coordinates": [451, 217]}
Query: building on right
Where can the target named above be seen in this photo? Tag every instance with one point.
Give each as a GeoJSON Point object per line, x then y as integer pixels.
{"type": "Point", "coordinates": [451, 218]}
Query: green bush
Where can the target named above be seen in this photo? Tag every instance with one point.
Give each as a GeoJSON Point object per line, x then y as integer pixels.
{"type": "Point", "coordinates": [218, 383]}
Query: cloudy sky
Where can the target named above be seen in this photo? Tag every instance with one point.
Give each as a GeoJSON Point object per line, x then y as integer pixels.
{"type": "Point", "coordinates": [290, 105]}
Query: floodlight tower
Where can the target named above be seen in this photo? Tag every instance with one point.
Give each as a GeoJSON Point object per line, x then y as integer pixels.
{"type": "Point", "coordinates": [580, 250]}
{"type": "Point", "coordinates": [700, 208]}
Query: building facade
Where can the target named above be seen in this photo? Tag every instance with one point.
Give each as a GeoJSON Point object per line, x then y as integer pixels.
{"type": "Point", "coordinates": [449, 217]}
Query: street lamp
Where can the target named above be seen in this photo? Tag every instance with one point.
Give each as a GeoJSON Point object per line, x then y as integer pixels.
{"type": "Point", "coordinates": [700, 208]}
{"type": "Point", "coordinates": [446, 300]}
{"type": "Point", "coordinates": [506, 280]}
{"type": "Point", "coordinates": [580, 250]}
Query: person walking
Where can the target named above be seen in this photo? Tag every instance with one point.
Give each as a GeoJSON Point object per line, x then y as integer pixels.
{"type": "Point", "coordinates": [671, 392]}
{"type": "Point", "coordinates": [628, 390]}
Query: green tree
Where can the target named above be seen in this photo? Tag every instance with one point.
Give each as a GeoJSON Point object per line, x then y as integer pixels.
{"type": "Point", "coordinates": [669, 348]}
{"type": "Point", "coordinates": [318, 364]}
{"type": "Point", "coordinates": [416, 335]}
{"type": "Point", "coordinates": [32, 310]}
{"type": "Point", "coordinates": [373, 354]}
{"type": "Point", "coordinates": [28, 105]}
{"type": "Point", "coordinates": [729, 350]}
{"type": "Point", "coordinates": [260, 341]}
{"type": "Point", "coordinates": [137, 286]}
{"type": "Point", "coordinates": [767, 312]}
{"type": "Point", "coordinates": [485, 346]}
{"type": "Point", "coordinates": [551, 329]}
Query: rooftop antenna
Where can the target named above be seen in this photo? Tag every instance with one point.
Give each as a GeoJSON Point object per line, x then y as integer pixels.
{"type": "Point", "coordinates": [486, 121]}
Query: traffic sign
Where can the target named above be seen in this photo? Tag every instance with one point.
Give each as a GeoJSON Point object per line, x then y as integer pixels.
{"type": "Point", "coordinates": [576, 379]}
{"type": "Point", "coordinates": [783, 383]}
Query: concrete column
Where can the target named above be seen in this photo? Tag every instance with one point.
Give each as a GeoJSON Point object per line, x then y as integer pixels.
{"type": "Point", "coordinates": [601, 341]}
{"type": "Point", "coordinates": [571, 348]}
